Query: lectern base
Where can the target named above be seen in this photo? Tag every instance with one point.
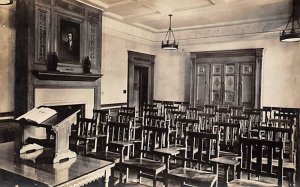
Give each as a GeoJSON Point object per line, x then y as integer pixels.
{"type": "Point", "coordinates": [65, 156]}
{"type": "Point", "coordinates": [46, 155]}
{"type": "Point", "coordinates": [30, 148]}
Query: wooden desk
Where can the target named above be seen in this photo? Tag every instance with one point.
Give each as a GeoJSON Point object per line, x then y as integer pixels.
{"type": "Point", "coordinates": [75, 172]}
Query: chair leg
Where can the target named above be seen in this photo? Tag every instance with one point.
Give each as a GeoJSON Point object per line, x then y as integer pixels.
{"type": "Point", "coordinates": [139, 177]}
{"type": "Point", "coordinates": [154, 180]}
{"type": "Point", "coordinates": [127, 173]}
{"type": "Point", "coordinates": [121, 176]}
{"type": "Point", "coordinates": [292, 179]}
{"type": "Point", "coordinates": [166, 178]}
{"type": "Point", "coordinates": [112, 181]}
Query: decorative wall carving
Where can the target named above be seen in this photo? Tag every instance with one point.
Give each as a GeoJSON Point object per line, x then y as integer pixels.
{"type": "Point", "coordinates": [38, 32]}
{"type": "Point", "coordinates": [70, 7]}
{"type": "Point", "coordinates": [42, 34]}
{"type": "Point", "coordinates": [92, 42]}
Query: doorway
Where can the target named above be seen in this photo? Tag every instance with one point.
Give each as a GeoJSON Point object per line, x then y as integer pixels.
{"type": "Point", "coordinates": [140, 87]}
{"type": "Point", "coordinates": [140, 80]}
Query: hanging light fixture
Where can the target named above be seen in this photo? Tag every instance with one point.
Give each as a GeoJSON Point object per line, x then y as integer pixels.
{"type": "Point", "coordinates": [6, 2]}
{"type": "Point", "coordinates": [291, 36]}
{"type": "Point", "coordinates": [169, 43]}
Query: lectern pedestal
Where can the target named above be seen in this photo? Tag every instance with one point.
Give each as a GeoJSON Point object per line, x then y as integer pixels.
{"type": "Point", "coordinates": [60, 124]}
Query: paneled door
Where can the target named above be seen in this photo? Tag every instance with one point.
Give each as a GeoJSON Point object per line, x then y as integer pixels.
{"type": "Point", "coordinates": [246, 83]}
{"type": "Point", "coordinates": [216, 83]}
{"type": "Point", "coordinates": [202, 83]}
{"type": "Point", "coordinates": [226, 77]}
{"type": "Point", "coordinates": [224, 84]}
{"type": "Point", "coordinates": [230, 84]}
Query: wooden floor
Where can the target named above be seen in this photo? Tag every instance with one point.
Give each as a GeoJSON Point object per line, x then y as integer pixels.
{"type": "Point", "coordinates": [175, 183]}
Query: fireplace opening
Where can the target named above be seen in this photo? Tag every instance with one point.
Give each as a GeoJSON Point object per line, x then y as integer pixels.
{"type": "Point", "coordinates": [80, 107]}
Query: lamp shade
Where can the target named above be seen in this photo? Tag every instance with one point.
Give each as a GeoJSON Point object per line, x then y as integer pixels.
{"type": "Point", "coordinates": [6, 2]}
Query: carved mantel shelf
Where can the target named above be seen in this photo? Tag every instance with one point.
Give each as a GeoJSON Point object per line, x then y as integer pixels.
{"type": "Point", "coordinates": [65, 76]}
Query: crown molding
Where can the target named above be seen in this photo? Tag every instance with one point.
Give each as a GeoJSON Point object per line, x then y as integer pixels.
{"type": "Point", "coordinates": [128, 32]}
{"type": "Point", "coordinates": [94, 3]}
{"type": "Point", "coordinates": [231, 23]}
{"type": "Point", "coordinates": [248, 31]}
{"type": "Point", "coordinates": [226, 33]}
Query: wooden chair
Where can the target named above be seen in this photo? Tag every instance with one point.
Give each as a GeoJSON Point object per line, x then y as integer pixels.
{"type": "Point", "coordinates": [206, 121]}
{"type": "Point", "coordinates": [159, 121]}
{"type": "Point", "coordinates": [127, 115]}
{"type": "Point", "coordinates": [286, 135]}
{"type": "Point", "coordinates": [223, 114]}
{"type": "Point", "coordinates": [129, 110]}
{"type": "Point", "coordinates": [256, 119]}
{"type": "Point", "coordinates": [168, 109]}
{"type": "Point", "coordinates": [149, 112]}
{"type": "Point", "coordinates": [101, 116]}
{"type": "Point", "coordinates": [229, 137]}
{"type": "Point", "coordinates": [244, 122]}
{"type": "Point", "coordinates": [87, 135]}
{"type": "Point", "coordinates": [192, 112]}
{"type": "Point", "coordinates": [208, 148]}
{"type": "Point", "coordinates": [156, 121]}
{"type": "Point", "coordinates": [183, 126]}
{"type": "Point", "coordinates": [117, 146]}
{"type": "Point", "coordinates": [268, 112]}
{"type": "Point", "coordinates": [173, 116]}
{"type": "Point", "coordinates": [252, 152]}
{"type": "Point", "coordinates": [183, 106]}
{"type": "Point", "coordinates": [236, 110]}
{"type": "Point", "coordinates": [210, 109]}
{"type": "Point", "coordinates": [153, 138]}
{"type": "Point", "coordinates": [159, 105]}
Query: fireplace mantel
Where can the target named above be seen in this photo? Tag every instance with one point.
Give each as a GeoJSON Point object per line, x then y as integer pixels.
{"type": "Point", "coordinates": [41, 28]}
{"type": "Point", "coordinates": [65, 76]}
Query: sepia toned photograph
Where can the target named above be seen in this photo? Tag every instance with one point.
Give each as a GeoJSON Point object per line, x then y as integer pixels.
{"type": "Point", "coordinates": [150, 93]}
{"type": "Point", "coordinates": [69, 45]}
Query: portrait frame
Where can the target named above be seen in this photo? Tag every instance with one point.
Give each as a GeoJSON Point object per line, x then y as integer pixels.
{"type": "Point", "coordinates": [69, 52]}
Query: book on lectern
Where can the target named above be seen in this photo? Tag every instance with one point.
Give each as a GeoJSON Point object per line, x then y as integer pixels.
{"type": "Point", "coordinates": [38, 115]}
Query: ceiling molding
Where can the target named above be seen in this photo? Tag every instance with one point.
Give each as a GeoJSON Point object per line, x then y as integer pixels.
{"type": "Point", "coordinates": [128, 32]}
{"type": "Point", "coordinates": [120, 3]}
{"type": "Point", "coordinates": [231, 23]}
{"type": "Point", "coordinates": [94, 3]}
{"type": "Point", "coordinates": [133, 16]}
{"type": "Point", "coordinates": [209, 3]}
{"type": "Point", "coordinates": [249, 31]}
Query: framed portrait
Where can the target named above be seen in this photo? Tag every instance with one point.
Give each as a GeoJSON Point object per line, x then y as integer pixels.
{"type": "Point", "coordinates": [69, 40]}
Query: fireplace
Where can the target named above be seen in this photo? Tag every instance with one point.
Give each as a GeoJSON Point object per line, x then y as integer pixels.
{"type": "Point", "coordinates": [79, 98]}
{"type": "Point", "coordinates": [71, 97]}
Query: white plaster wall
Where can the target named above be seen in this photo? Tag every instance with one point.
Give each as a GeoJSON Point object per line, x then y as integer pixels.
{"type": "Point", "coordinates": [280, 70]}
{"type": "Point", "coordinates": [115, 65]}
{"type": "Point", "coordinates": [7, 57]}
{"type": "Point", "coordinates": [171, 80]}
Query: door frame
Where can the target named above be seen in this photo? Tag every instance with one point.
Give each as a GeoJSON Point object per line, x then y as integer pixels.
{"type": "Point", "coordinates": [242, 55]}
{"type": "Point", "coordinates": [136, 59]}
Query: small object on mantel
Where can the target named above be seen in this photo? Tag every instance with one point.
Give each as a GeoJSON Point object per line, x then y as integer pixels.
{"type": "Point", "coordinates": [65, 76]}
{"type": "Point", "coordinates": [52, 61]}
{"type": "Point", "coordinates": [86, 65]}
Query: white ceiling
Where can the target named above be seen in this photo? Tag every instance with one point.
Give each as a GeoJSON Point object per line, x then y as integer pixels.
{"type": "Point", "coordinates": [152, 15]}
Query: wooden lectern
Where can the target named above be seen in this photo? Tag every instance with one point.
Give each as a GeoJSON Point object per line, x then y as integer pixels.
{"type": "Point", "coordinates": [60, 124]}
